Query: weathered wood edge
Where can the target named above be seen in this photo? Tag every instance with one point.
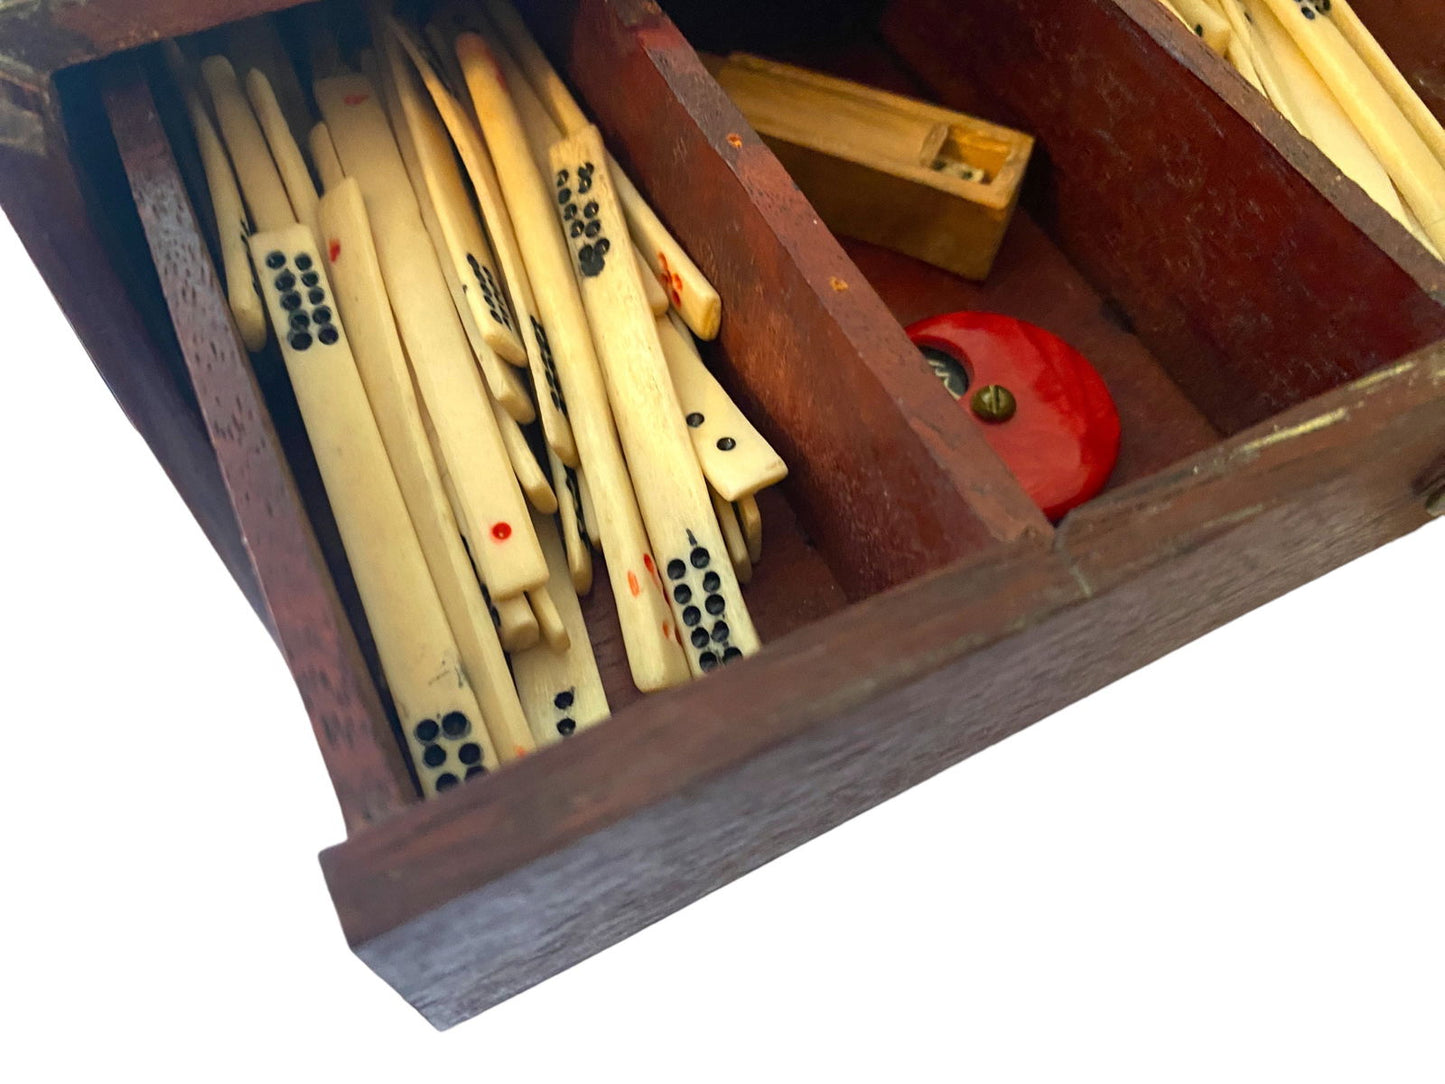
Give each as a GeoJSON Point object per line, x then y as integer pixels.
{"type": "Point", "coordinates": [464, 902]}
{"type": "Point", "coordinates": [356, 740]}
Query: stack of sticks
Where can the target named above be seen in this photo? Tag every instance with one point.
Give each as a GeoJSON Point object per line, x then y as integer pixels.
{"type": "Point", "coordinates": [473, 263]}
{"type": "Point", "coordinates": [1321, 67]}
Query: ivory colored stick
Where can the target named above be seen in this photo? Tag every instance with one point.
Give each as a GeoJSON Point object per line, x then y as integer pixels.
{"type": "Point", "coordinates": [751, 519]}
{"type": "Point", "coordinates": [561, 692]}
{"type": "Point", "coordinates": [733, 538]}
{"type": "Point", "coordinates": [1419, 176]}
{"type": "Point", "coordinates": [434, 700]}
{"type": "Point", "coordinates": [504, 385]}
{"type": "Point", "coordinates": [670, 488]}
{"type": "Point", "coordinates": [513, 619]}
{"type": "Point", "coordinates": [242, 293]}
{"type": "Point", "coordinates": [735, 457]}
{"type": "Point", "coordinates": [478, 163]}
{"type": "Point", "coordinates": [295, 177]}
{"type": "Point", "coordinates": [524, 464]}
{"type": "Point", "coordinates": [568, 487]}
{"type": "Point", "coordinates": [1240, 51]}
{"type": "Point", "coordinates": [260, 183]}
{"type": "Point", "coordinates": [652, 289]}
{"type": "Point", "coordinates": [555, 634]}
{"type": "Point", "coordinates": [256, 43]}
{"type": "Point", "coordinates": [361, 299]}
{"type": "Point", "coordinates": [686, 286]}
{"type": "Point", "coordinates": [1207, 23]}
{"type": "Point", "coordinates": [1320, 116]}
{"type": "Point", "coordinates": [416, 123]}
{"type": "Point", "coordinates": [1416, 111]}
{"type": "Point", "coordinates": [505, 547]}
{"type": "Point", "coordinates": [643, 610]}
{"type": "Point", "coordinates": [589, 510]}
{"type": "Point", "coordinates": [323, 157]}
{"type": "Point", "coordinates": [1271, 74]}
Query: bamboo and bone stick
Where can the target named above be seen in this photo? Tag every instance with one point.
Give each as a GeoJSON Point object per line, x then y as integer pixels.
{"type": "Point", "coordinates": [551, 405]}
{"type": "Point", "coordinates": [687, 288]}
{"type": "Point", "coordinates": [361, 298]}
{"type": "Point", "coordinates": [568, 486]}
{"type": "Point", "coordinates": [676, 507]}
{"type": "Point", "coordinates": [295, 177]}
{"type": "Point", "coordinates": [643, 611]}
{"type": "Point", "coordinates": [260, 183]}
{"type": "Point", "coordinates": [490, 500]}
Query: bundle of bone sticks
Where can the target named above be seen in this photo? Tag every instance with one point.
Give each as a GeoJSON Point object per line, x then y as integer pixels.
{"type": "Point", "coordinates": [474, 262]}
{"type": "Point", "coordinates": [1320, 67]}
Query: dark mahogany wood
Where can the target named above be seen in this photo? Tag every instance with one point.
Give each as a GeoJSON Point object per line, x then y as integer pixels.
{"type": "Point", "coordinates": [1253, 270]}
{"type": "Point", "coordinates": [681, 794]}
{"type": "Point", "coordinates": [313, 630]}
{"type": "Point", "coordinates": [883, 476]}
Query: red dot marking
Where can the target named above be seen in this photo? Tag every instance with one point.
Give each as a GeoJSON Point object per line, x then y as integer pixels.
{"type": "Point", "coordinates": [632, 584]}
{"type": "Point", "coordinates": [519, 750]}
{"type": "Point", "coordinates": [667, 629]}
{"type": "Point", "coordinates": [355, 99]}
{"type": "Point", "coordinates": [502, 531]}
{"type": "Point", "coordinates": [334, 249]}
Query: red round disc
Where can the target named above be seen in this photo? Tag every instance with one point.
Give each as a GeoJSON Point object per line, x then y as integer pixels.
{"type": "Point", "coordinates": [1063, 439]}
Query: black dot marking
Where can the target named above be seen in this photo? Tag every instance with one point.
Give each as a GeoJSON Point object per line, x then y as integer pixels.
{"type": "Point", "coordinates": [711, 582]}
{"type": "Point", "coordinates": [715, 604]}
{"type": "Point", "coordinates": [603, 246]}
{"type": "Point", "coordinates": [694, 420]}
{"type": "Point", "coordinates": [676, 570]}
{"type": "Point", "coordinates": [328, 335]}
{"type": "Point", "coordinates": [427, 730]}
{"type": "Point", "coordinates": [699, 557]}
{"type": "Point", "coordinates": [590, 211]}
{"type": "Point", "coordinates": [682, 593]}
{"type": "Point", "coordinates": [566, 726]}
{"type": "Point", "coordinates": [303, 261]}
{"type": "Point", "coordinates": [732, 653]}
{"type": "Point", "coordinates": [570, 211]}
{"type": "Point", "coordinates": [475, 770]}
{"type": "Point", "coordinates": [1309, 13]}
{"type": "Point", "coordinates": [590, 261]}
{"type": "Point", "coordinates": [563, 700]}
{"type": "Point", "coordinates": [321, 314]}
{"type": "Point", "coordinates": [275, 260]}
{"type": "Point", "coordinates": [311, 278]}
{"type": "Point", "coordinates": [699, 637]}
{"type": "Point", "coordinates": [708, 661]}
{"type": "Point", "coordinates": [316, 295]}
{"type": "Point", "coordinates": [456, 725]}
{"type": "Point", "coordinates": [291, 301]}
{"type": "Point", "coordinates": [285, 280]}
{"type": "Point", "coordinates": [564, 195]}
{"type": "Point", "coordinates": [471, 753]}
{"type": "Point", "coordinates": [691, 616]}
{"type": "Point", "coordinates": [575, 230]}
{"type": "Point", "coordinates": [720, 632]}
{"type": "Point", "coordinates": [434, 756]}
{"type": "Point", "coordinates": [300, 340]}
{"type": "Point", "coordinates": [593, 228]}
{"type": "Point", "coordinates": [300, 321]}
{"type": "Point", "coordinates": [562, 177]}
{"type": "Point", "coordinates": [726, 444]}
{"type": "Point", "coordinates": [446, 781]}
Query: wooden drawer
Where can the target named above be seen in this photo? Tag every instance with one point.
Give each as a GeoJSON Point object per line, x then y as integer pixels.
{"type": "Point", "coordinates": [1275, 342]}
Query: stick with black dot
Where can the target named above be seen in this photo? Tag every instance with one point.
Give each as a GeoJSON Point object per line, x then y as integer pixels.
{"type": "Point", "coordinates": [653, 653]}
{"type": "Point", "coordinates": [680, 517]}
{"type": "Point", "coordinates": [561, 691]}
{"type": "Point", "coordinates": [361, 300]}
{"type": "Point", "coordinates": [568, 486]}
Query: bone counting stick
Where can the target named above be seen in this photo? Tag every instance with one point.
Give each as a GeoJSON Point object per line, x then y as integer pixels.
{"type": "Point", "coordinates": [676, 507]}
{"type": "Point", "coordinates": [434, 700]}
{"type": "Point", "coordinates": [647, 625]}
{"type": "Point", "coordinates": [361, 298]}
{"type": "Point", "coordinates": [505, 546]}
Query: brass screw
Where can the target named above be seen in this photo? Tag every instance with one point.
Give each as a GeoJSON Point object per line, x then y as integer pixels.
{"type": "Point", "coordinates": [994, 403]}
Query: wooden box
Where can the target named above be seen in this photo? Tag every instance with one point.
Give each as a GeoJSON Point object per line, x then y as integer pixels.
{"type": "Point", "coordinates": [1275, 342]}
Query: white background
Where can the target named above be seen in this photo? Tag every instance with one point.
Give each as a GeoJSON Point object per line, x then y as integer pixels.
{"type": "Point", "coordinates": [1225, 867]}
